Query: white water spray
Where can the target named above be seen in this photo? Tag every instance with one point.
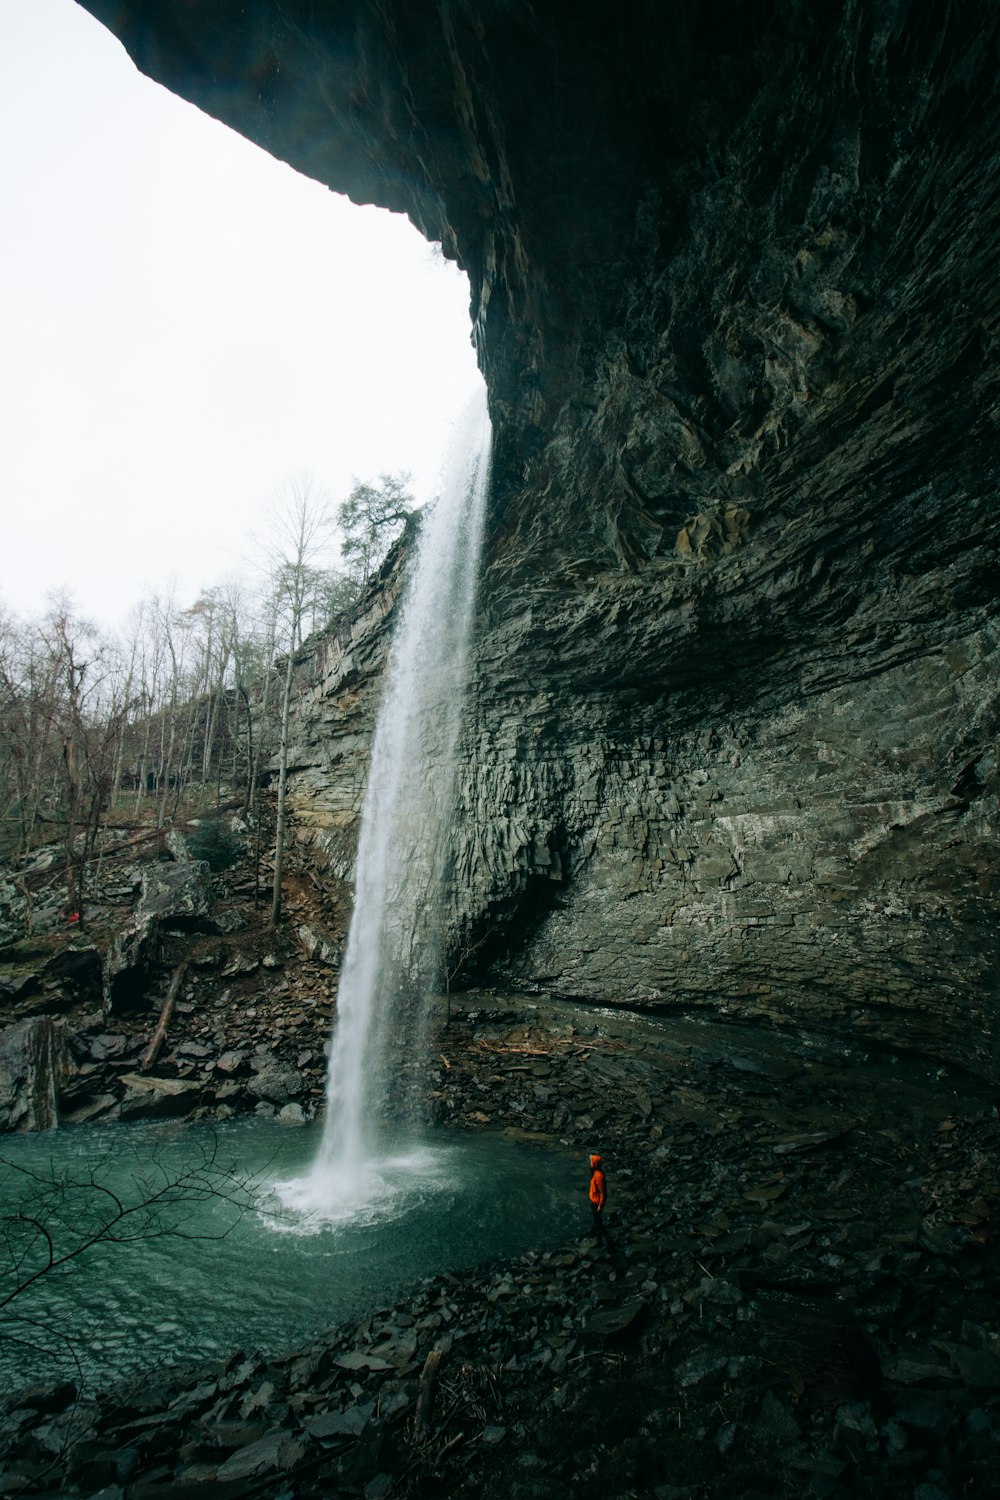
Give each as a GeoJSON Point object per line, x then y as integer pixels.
{"type": "Point", "coordinates": [393, 944]}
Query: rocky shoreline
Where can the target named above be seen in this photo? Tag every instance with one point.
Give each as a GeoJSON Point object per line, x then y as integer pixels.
{"type": "Point", "coordinates": [801, 1299]}
{"type": "Point", "coordinates": [248, 1026]}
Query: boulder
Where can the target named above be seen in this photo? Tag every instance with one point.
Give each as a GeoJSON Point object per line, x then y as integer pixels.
{"type": "Point", "coordinates": [129, 965]}
{"type": "Point", "coordinates": [173, 896]}
{"type": "Point", "coordinates": [76, 972]}
{"type": "Point", "coordinates": [33, 1060]}
{"type": "Point", "coordinates": [337, 1424]}
{"type": "Point", "coordinates": [178, 895]}
{"type": "Point", "coordinates": [262, 1457]}
{"type": "Point", "coordinates": [315, 945]}
{"type": "Point", "coordinates": [277, 1084]}
{"type": "Point", "coordinates": [153, 1098]}
{"type": "Point", "coordinates": [13, 911]}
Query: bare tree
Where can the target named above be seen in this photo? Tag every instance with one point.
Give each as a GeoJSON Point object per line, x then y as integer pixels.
{"type": "Point", "coordinates": [301, 531]}
{"type": "Point", "coordinates": [87, 710]}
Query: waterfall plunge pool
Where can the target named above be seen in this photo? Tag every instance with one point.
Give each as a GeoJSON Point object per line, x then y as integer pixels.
{"type": "Point", "coordinates": [215, 1267]}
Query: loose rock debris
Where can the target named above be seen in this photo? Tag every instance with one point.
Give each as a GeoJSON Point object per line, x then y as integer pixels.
{"type": "Point", "coordinates": [802, 1301]}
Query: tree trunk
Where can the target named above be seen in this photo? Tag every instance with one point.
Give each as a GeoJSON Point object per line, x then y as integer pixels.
{"type": "Point", "coordinates": [251, 768]}
{"type": "Point", "coordinates": [425, 1394]}
{"type": "Point", "coordinates": [72, 797]}
{"type": "Point", "coordinates": [142, 770]}
{"type": "Point", "coordinates": [165, 769]}
{"type": "Point", "coordinates": [279, 837]}
{"type": "Point", "coordinates": [159, 1035]}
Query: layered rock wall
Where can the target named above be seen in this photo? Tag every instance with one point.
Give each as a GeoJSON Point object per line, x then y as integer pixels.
{"type": "Point", "coordinates": [826, 863]}
{"type": "Point", "coordinates": [829, 863]}
{"type": "Point", "coordinates": [733, 728]}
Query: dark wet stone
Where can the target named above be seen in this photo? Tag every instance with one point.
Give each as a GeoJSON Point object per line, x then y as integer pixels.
{"type": "Point", "coordinates": [91, 1467]}
{"type": "Point", "coordinates": [399, 1351]}
{"type": "Point", "coordinates": [107, 1045]}
{"type": "Point", "coordinates": [357, 1359]}
{"type": "Point", "coordinates": [914, 1370]}
{"type": "Point", "coordinates": [148, 1098]}
{"type": "Point", "coordinates": [982, 1432]}
{"type": "Point", "coordinates": [235, 1434]}
{"type": "Point", "coordinates": [926, 1412]}
{"type": "Point", "coordinates": [45, 1398]}
{"type": "Point", "coordinates": [722, 1293]}
{"type": "Point", "coordinates": [33, 1062]}
{"type": "Point", "coordinates": [725, 1437]}
{"type": "Point", "coordinates": [126, 1461]}
{"type": "Point", "coordinates": [17, 1478]}
{"type": "Point", "coordinates": [775, 1422]}
{"type": "Point", "coordinates": [977, 1366]}
{"type": "Point", "coordinates": [854, 1431]}
{"type": "Point", "coordinates": [392, 1402]}
{"type": "Point", "coordinates": [273, 1451]}
{"type": "Point", "coordinates": [700, 1366]}
{"type": "Point", "coordinates": [332, 1424]}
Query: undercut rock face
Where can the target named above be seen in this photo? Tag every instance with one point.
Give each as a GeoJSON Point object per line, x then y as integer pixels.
{"type": "Point", "coordinates": [732, 735]}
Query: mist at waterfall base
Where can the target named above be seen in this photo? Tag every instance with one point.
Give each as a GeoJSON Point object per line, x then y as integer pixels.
{"type": "Point", "coordinates": [392, 956]}
{"type": "Point", "coordinates": [262, 1278]}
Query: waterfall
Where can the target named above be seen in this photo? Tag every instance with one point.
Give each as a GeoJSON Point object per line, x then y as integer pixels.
{"type": "Point", "coordinates": [393, 950]}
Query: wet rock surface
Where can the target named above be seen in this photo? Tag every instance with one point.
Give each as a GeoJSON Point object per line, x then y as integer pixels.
{"type": "Point", "coordinates": [32, 1067]}
{"type": "Point", "coordinates": [801, 1282]}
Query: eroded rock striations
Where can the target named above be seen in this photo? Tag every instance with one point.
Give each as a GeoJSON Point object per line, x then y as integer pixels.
{"type": "Point", "coordinates": [732, 738]}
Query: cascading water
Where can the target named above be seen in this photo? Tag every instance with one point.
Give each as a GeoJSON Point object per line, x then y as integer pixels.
{"type": "Point", "coordinates": [393, 946]}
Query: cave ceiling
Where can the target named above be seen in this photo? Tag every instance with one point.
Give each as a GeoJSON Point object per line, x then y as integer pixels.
{"type": "Point", "coordinates": [731, 268]}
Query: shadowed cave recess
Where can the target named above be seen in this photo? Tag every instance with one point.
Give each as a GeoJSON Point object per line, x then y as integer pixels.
{"type": "Point", "coordinates": [731, 740]}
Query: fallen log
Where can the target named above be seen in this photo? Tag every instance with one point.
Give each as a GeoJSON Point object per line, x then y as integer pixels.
{"type": "Point", "coordinates": [159, 1035]}
{"type": "Point", "coordinates": [425, 1394]}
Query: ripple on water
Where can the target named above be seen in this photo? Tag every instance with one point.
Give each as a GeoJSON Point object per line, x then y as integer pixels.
{"type": "Point", "coordinates": [317, 1248]}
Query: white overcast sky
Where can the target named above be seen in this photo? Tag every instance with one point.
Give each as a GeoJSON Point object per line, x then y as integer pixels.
{"type": "Point", "coordinates": [185, 325]}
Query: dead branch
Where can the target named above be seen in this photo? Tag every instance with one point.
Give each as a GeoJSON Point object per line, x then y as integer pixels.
{"type": "Point", "coordinates": [159, 1035]}
{"type": "Point", "coordinates": [425, 1394]}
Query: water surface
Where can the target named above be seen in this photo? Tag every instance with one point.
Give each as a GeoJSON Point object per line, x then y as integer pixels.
{"type": "Point", "coordinates": [215, 1268]}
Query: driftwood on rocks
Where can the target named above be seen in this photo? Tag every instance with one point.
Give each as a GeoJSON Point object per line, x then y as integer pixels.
{"type": "Point", "coordinates": [159, 1035]}
{"type": "Point", "coordinates": [425, 1395]}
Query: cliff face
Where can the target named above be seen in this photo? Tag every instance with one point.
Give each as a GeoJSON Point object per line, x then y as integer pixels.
{"type": "Point", "coordinates": [733, 730]}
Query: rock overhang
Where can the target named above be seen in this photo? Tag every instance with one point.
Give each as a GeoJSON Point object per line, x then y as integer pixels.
{"type": "Point", "coordinates": [733, 295]}
{"type": "Point", "coordinates": [693, 232]}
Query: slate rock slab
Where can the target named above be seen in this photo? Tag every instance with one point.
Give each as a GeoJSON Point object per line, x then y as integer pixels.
{"type": "Point", "coordinates": [333, 1424]}
{"type": "Point", "coordinates": [275, 1450]}
{"type": "Point", "coordinates": [150, 1098]}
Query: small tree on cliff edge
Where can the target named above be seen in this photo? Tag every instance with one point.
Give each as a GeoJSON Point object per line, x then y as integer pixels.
{"type": "Point", "coordinates": [301, 529]}
{"type": "Point", "coordinates": [370, 520]}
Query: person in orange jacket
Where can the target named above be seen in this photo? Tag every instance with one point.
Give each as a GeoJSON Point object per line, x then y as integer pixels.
{"type": "Point", "coordinates": [598, 1198]}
